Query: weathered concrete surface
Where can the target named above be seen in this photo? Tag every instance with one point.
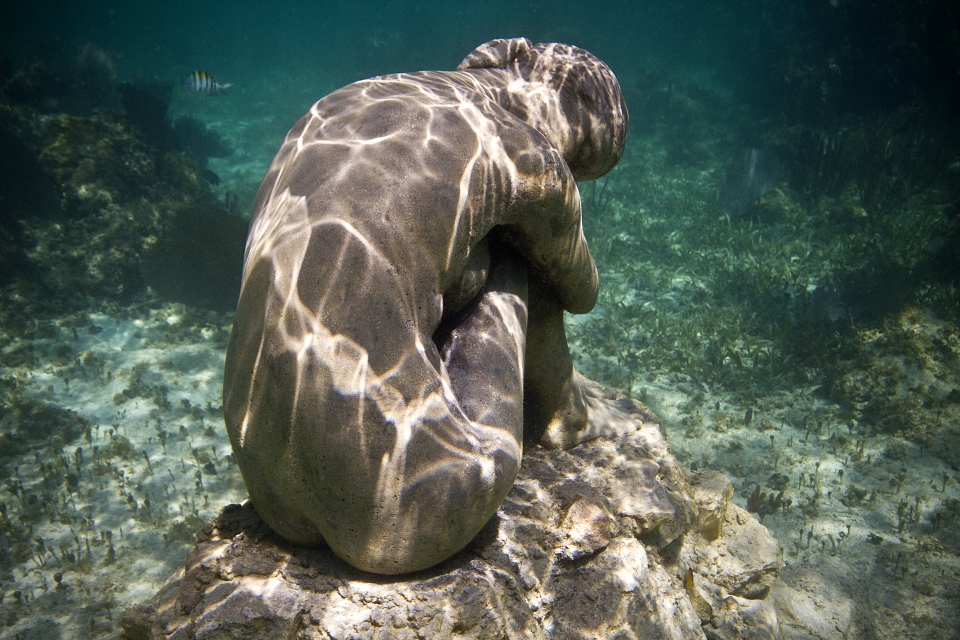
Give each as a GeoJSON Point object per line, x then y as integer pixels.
{"type": "Point", "coordinates": [592, 542]}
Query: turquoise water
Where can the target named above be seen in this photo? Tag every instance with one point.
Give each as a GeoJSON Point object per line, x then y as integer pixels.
{"type": "Point", "coordinates": [778, 252]}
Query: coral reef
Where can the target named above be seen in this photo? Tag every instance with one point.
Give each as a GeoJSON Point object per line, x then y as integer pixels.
{"type": "Point", "coordinates": [146, 103]}
{"type": "Point", "coordinates": [87, 192]}
{"type": "Point", "coordinates": [198, 259]}
{"type": "Point", "coordinates": [97, 163]}
{"type": "Point", "coordinates": [85, 86]}
{"type": "Point", "coordinates": [116, 194]}
{"type": "Point", "coordinates": [37, 86]}
{"type": "Point", "coordinates": [198, 141]}
{"type": "Point", "coordinates": [26, 190]}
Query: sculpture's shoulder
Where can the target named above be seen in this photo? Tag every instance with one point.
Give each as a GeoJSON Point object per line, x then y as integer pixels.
{"type": "Point", "coordinates": [419, 136]}
{"type": "Point", "coordinates": [422, 114]}
{"type": "Point", "coordinates": [428, 105]}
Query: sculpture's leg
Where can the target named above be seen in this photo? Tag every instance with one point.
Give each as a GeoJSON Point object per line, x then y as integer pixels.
{"type": "Point", "coordinates": [555, 412]}
{"type": "Point", "coordinates": [399, 467]}
{"type": "Point", "coordinates": [483, 353]}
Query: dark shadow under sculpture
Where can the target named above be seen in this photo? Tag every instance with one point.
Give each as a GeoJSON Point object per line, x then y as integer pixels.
{"type": "Point", "coordinates": [399, 333]}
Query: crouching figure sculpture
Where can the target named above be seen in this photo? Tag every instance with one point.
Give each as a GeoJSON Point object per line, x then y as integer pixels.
{"type": "Point", "coordinates": [399, 331]}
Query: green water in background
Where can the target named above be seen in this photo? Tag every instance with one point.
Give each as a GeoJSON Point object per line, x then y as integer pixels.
{"type": "Point", "coordinates": [803, 341]}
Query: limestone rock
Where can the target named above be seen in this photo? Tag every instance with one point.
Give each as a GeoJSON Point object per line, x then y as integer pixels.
{"type": "Point", "coordinates": [743, 619]}
{"type": "Point", "coordinates": [592, 542]}
{"type": "Point", "coordinates": [588, 528]}
{"type": "Point", "coordinates": [733, 561]}
{"type": "Point", "coordinates": [743, 561]}
{"type": "Point", "coordinates": [821, 597]}
{"type": "Point", "coordinates": [713, 492]}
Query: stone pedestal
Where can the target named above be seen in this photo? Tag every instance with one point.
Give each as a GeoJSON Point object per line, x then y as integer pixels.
{"type": "Point", "coordinates": [610, 539]}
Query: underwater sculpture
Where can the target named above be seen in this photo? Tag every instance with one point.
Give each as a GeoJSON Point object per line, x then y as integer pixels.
{"type": "Point", "coordinates": [399, 331]}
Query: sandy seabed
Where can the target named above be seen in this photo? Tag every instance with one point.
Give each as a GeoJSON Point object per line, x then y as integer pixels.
{"type": "Point", "coordinates": [97, 524]}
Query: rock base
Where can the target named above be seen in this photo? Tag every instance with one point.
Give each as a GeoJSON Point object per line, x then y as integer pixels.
{"type": "Point", "coordinates": [610, 539]}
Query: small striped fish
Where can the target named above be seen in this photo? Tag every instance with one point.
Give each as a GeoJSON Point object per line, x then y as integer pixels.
{"type": "Point", "coordinates": [201, 83]}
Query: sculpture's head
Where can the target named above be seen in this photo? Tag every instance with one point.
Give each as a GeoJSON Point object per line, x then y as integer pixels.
{"type": "Point", "coordinates": [566, 93]}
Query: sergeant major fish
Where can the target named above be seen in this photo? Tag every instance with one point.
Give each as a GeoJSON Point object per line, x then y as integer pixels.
{"type": "Point", "coordinates": [201, 83]}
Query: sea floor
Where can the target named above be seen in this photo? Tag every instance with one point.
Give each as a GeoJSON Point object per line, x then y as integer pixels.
{"type": "Point", "coordinates": [98, 523]}
{"type": "Point", "coordinates": [114, 451]}
{"type": "Point", "coordinates": [114, 511]}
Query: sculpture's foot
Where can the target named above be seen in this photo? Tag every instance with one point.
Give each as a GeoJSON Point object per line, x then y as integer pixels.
{"type": "Point", "coordinates": [590, 411]}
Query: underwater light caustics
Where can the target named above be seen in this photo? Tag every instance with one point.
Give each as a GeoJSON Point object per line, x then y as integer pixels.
{"type": "Point", "coordinates": [400, 327]}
